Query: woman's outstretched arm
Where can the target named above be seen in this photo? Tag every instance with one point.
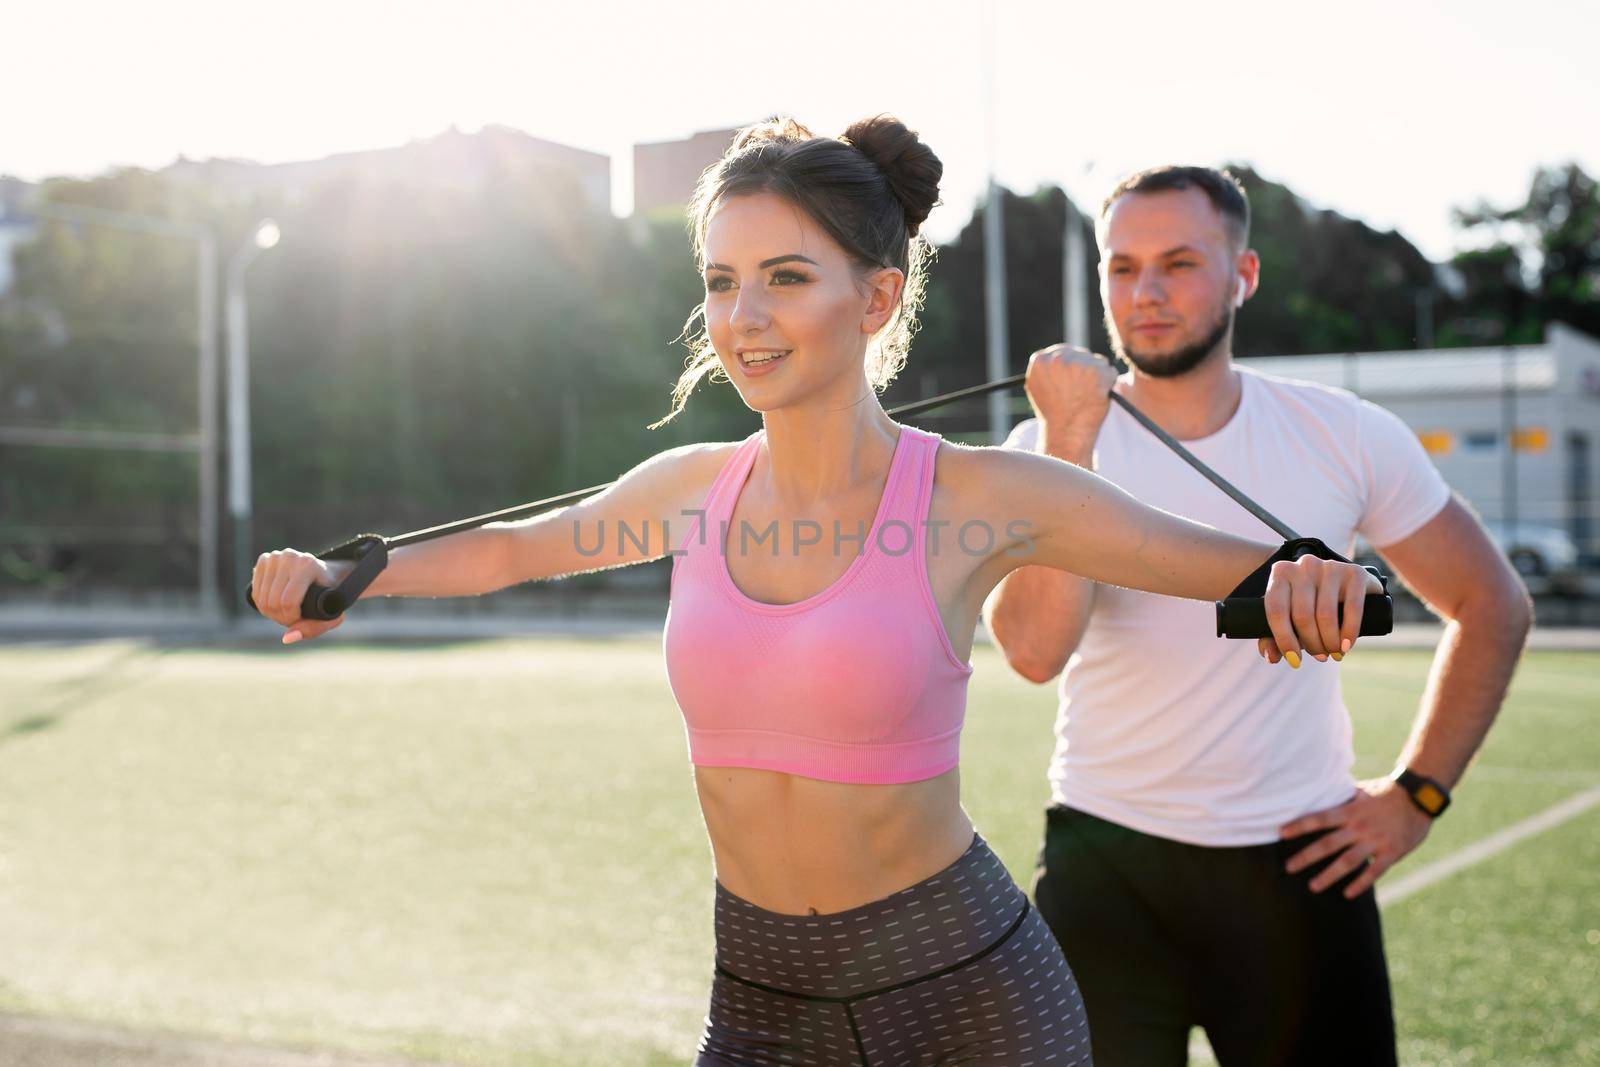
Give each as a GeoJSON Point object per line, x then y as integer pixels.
{"type": "Point", "coordinates": [1054, 514]}
{"type": "Point", "coordinates": [630, 522]}
{"type": "Point", "coordinates": [639, 517]}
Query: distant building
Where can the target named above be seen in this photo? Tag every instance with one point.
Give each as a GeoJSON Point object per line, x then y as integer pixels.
{"type": "Point", "coordinates": [453, 160]}
{"type": "Point", "coordinates": [665, 172]}
{"type": "Point", "coordinates": [1515, 430]}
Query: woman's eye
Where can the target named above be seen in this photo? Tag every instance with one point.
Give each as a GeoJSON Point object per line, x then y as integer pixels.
{"type": "Point", "coordinates": [718, 283]}
{"type": "Point", "coordinates": [788, 277]}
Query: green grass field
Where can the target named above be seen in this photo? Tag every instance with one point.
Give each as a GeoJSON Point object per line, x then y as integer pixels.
{"type": "Point", "coordinates": [489, 852]}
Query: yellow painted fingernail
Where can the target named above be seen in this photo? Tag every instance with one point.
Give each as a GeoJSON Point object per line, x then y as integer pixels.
{"type": "Point", "coordinates": [1338, 657]}
{"type": "Point", "coordinates": [1293, 658]}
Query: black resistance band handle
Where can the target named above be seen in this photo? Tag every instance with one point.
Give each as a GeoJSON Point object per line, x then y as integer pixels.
{"type": "Point", "coordinates": [370, 552]}
{"type": "Point", "coordinates": [1243, 615]}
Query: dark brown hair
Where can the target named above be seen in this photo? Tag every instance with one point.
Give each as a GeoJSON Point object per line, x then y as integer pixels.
{"type": "Point", "coordinates": [869, 189]}
{"type": "Point", "coordinates": [1220, 187]}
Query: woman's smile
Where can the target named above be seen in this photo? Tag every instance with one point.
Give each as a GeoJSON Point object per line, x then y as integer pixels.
{"type": "Point", "coordinates": [757, 361]}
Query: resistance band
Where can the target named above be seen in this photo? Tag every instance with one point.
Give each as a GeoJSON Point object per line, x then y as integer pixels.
{"type": "Point", "coordinates": [1242, 614]}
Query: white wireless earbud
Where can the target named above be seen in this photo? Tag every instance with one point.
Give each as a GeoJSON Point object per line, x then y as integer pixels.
{"type": "Point", "coordinates": [1238, 294]}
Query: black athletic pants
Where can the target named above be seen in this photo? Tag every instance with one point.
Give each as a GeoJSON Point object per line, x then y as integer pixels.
{"type": "Point", "coordinates": [1163, 936]}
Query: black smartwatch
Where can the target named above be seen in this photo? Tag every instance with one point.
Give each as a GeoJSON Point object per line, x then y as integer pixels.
{"type": "Point", "coordinates": [1427, 794]}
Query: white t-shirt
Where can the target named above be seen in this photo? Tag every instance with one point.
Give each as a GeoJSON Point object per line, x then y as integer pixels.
{"type": "Point", "coordinates": [1170, 730]}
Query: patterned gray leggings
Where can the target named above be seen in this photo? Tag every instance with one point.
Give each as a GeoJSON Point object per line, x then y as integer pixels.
{"type": "Point", "coordinates": [957, 969]}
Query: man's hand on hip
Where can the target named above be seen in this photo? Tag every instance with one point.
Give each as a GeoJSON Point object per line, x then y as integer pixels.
{"type": "Point", "coordinates": [1377, 827]}
{"type": "Point", "coordinates": [1070, 389]}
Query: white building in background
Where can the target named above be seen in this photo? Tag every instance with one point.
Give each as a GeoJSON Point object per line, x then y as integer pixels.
{"type": "Point", "coordinates": [1515, 429]}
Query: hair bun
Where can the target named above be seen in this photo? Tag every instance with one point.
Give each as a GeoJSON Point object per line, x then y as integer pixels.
{"type": "Point", "coordinates": [909, 166]}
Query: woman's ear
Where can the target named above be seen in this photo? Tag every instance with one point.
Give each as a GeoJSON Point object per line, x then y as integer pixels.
{"type": "Point", "coordinates": [884, 287]}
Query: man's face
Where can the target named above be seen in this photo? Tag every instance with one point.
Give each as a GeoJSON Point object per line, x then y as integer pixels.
{"type": "Point", "coordinates": [1170, 274]}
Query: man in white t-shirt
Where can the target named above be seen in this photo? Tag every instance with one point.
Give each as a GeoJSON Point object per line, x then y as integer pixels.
{"type": "Point", "coordinates": [1208, 858]}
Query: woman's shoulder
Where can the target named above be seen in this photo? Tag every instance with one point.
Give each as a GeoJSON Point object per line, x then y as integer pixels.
{"type": "Point", "coordinates": [662, 487]}
{"type": "Point", "coordinates": [971, 467]}
{"type": "Point", "coordinates": [990, 482]}
{"type": "Point", "coordinates": [688, 471]}
{"type": "Point", "coordinates": [702, 460]}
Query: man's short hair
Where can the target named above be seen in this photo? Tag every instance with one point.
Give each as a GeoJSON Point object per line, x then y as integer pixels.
{"type": "Point", "coordinates": [1220, 187]}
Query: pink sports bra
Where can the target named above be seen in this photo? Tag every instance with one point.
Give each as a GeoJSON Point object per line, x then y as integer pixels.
{"type": "Point", "coordinates": [858, 683]}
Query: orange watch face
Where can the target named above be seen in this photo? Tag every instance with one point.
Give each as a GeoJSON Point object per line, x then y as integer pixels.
{"type": "Point", "coordinates": [1431, 798]}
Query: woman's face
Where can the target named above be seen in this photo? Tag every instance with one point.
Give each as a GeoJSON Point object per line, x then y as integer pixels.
{"type": "Point", "coordinates": [787, 313]}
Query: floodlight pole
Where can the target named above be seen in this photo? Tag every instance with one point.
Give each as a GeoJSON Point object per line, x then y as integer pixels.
{"type": "Point", "coordinates": [994, 249]}
{"type": "Point", "coordinates": [1508, 468]}
{"type": "Point", "coordinates": [262, 237]}
{"type": "Point", "coordinates": [209, 524]}
{"type": "Point", "coordinates": [1074, 281]}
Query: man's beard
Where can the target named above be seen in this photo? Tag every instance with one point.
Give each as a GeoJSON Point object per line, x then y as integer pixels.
{"type": "Point", "coordinates": [1185, 359]}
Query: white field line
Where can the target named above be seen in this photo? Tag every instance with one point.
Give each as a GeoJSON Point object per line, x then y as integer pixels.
{"type": "Point", "coordinates": [1478, 851]}
{"type": "Point", "coordinates": [1200, 1053]}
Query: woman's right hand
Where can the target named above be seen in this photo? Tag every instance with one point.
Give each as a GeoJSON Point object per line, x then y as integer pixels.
{"type": "Point", "coordinates": [279, 583]}
{"type": "Point", "coordinates": [1305, 600]}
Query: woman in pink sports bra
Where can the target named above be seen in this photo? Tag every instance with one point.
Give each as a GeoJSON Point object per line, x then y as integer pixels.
{"type": "Point", "coordinates": [828, 574]}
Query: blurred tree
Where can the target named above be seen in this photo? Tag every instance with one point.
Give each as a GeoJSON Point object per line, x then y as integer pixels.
{"type": "Point", "coordinates": [99, 331]}
{"type": "Point", "coordinates": [425, 348]}
{"type": "Point", "coordinates": [950, 349]}
{"type": "Point", "coordinates": [1539, 262]}
{"type": "Point", "coordinates": [1328, 283]}
{"type": "Point", "coordinates": [106, 317]}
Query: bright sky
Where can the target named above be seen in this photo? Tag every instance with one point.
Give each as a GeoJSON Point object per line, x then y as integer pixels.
{"type": "Point", "coordinates": [1389, 111]}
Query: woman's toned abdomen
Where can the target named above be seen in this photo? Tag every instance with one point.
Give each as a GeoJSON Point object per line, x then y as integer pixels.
{"type": "Point", "coordinates": [796, 845]}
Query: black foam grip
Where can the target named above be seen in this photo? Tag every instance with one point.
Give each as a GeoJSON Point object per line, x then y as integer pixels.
{"type": "Point", "coordinates": [1244, 613]}
{"type": "Point", "coordinates": [322, 604]}
{"type": "Point", "coordinates": [1246, 616]}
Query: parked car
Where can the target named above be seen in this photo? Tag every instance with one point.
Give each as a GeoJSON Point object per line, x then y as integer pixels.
{"type": "Point", "coordinates": [1545, 556]}
{"type": "Point", "coordinates": [1538, 551]}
